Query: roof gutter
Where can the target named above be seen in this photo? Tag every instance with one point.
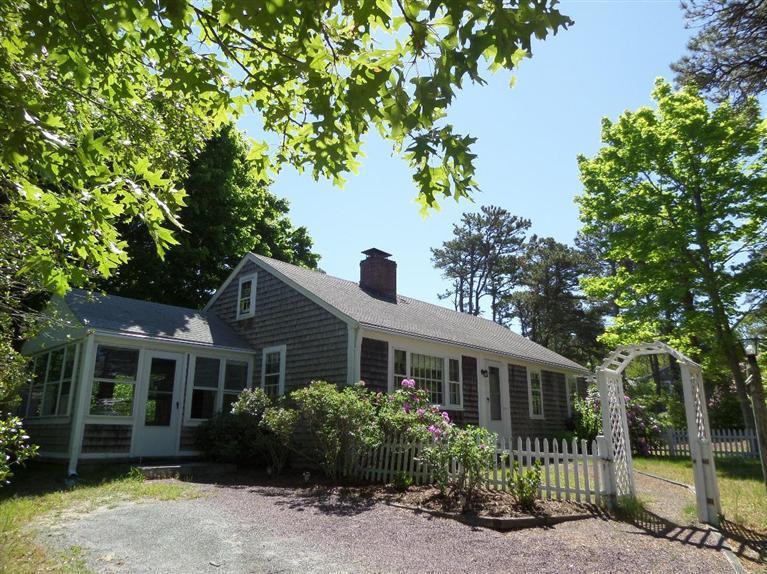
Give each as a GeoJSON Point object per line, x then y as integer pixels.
{"type": "Point", "coordinates": [107, 333]}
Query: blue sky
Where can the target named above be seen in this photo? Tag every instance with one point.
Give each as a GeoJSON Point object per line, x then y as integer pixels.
{"type": "Point", "coordinates": [528, 139]}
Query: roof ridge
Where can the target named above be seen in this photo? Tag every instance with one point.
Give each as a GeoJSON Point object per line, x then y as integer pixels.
{"type": "Point", "coordinates": [441, 307]}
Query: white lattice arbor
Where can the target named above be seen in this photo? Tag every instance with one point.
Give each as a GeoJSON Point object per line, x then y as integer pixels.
{"type": "Point", "coordinates": [616, 433]}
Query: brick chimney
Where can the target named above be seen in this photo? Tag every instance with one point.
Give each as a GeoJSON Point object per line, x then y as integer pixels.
{"type": "Point", "coordinates": [378, 274]}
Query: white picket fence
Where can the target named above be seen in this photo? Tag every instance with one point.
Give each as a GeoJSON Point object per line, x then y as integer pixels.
{"type": "Point", "coordinates": [724, 443]}
{"type": "Point", "coordinates": [569, 470]}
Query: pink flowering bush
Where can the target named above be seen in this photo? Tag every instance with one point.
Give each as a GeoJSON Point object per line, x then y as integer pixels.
{"type": "Point", "coordinates": [407, 412]}
{"type": "Point", "coordinates": [645, 425]}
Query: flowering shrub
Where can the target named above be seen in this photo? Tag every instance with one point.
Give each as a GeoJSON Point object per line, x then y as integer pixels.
{"type": "Point", "coordinates": [645, 426]}
{"type": "Point", "coordinates": [254, 433]}
{"type": "Point", "coordinates": [279, 423]}
{"type": "Point", "coordinates": [252, 402]}
{"type": "Point", "coordinates": [408, 412]}
{"type": "Point", "coordinates": [14, 447]}
{"type": "Point", "coordinates": [587, 416]}
{"type": "Point", "coordinates": [339, 421]}
{"type": "Point", "coordinates": [473, 449]}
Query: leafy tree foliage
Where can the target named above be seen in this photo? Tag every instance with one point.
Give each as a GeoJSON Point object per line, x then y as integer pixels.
{"type": "Point", "coordinates": [229, 211]}
{"type": "Point", "coordinates": [101, 101]}
{"type": "Point", "coordinates": [549, 305]}
{"type": "Point", "coordinates": [481, 260]}
{"type": "Point", "coordinates": [728, 54]}
{"type": "Point", "coordinates": [676, 200]}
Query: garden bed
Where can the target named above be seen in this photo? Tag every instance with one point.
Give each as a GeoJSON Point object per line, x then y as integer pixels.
{"type": "Point", "coordinates": [491, 509]}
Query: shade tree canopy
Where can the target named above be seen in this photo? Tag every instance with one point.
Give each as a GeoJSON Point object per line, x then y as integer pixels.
{"type": "Point", "coordinates": [228, 212]}
{"type": "Point", "coordinates": [676, 200]}
{"type": "Point", "coordinates": [101, 103]}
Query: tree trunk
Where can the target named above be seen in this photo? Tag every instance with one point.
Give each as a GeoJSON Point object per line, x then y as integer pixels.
{"type": "Point", "coordinates": [730, 346]}
{"type": "Point", "coordinates": [655, 368]}
{"type": "Point", "coordinates": [760, 411]}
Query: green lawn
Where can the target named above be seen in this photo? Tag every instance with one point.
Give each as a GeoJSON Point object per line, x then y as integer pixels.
{"type": "Point", "coordinates": [38, 494]}
{"type": "Point", "coordinates": [742, 490]}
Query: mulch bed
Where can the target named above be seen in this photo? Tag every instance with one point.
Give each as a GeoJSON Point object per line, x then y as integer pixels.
{"type": "Point", "coordinates": [486, 503]}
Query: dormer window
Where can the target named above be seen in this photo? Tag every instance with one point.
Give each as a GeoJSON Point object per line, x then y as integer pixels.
{"type": "Point", "coordinates": [246, 297]}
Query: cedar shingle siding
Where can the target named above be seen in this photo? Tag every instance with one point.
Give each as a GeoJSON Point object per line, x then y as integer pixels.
{"type": "Point", "coordinates": [316, 340]}
{"type": "Point", "coordinates": [554, 404]}
{"type": "Point", "coordinates": [188, 438]}
{"type": "Point", "coordinates": [374, 364]}
{"type": "Point", "coordinates": [49, 437]}
{"type": "Point", "coordinates": [107, 438]}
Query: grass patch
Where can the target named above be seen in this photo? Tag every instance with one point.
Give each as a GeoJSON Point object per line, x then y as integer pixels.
{"type": "Point", "coordinates": [39, 493]}
{"type": "Point", "coordinates": [742, 490]}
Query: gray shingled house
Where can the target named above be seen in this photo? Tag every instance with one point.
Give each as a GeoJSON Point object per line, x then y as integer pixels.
{"type": "Point", "coordinates": [122, 378]}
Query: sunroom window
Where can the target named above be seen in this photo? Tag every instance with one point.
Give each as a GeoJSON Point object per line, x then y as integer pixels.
{"type": "Point", "coordinates": [51, 384]}
{"type": "Point", "coordinates": [246, 296]}
{"type": "Point", "coordinates": [205, 387]}
{"type": "Point", "coordinates": [114, 381]}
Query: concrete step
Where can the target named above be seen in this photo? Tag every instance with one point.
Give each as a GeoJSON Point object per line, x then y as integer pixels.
{"type": "Point", "coordinates": [185, 470]}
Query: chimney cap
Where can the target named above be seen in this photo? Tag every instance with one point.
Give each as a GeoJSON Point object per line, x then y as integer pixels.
{"type": "Point", "coordinates": [373, 252]}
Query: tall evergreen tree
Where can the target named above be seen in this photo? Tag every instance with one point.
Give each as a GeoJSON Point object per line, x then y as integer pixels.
{"type": "Point", "coordinates": [481, 260]}
{"type": "Point", "coordinates": [229, 211]}
{"type": "Point", "coordinates": [549, 305]}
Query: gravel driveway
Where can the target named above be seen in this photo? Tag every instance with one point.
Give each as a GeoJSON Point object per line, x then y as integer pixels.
{"type": "Point", "coordinates": [266, 529]}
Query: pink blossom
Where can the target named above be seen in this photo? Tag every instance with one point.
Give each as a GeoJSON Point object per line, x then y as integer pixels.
{"type": "Point", "coordinates": [435, 431]}
{"type": "Point", "coordinates": [420, 413]}
{"type": "Point", "coordinates": [445, 416]}
{"type": "Point", "coordinates": [408, 383]}
{"type": "Point", "coordinates": [406, 407]}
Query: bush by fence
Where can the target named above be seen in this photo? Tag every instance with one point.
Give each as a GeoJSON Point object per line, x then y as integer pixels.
{"type": "Point", "coordinates": [570, 470]}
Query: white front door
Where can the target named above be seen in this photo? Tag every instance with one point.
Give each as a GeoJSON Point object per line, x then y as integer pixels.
{"type": "Point", "coordinates": [494, 399]}
{"type": "Point", "coordinates": [156, 430]}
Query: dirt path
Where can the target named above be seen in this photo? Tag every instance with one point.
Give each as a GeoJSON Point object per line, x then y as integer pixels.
{"type": "Point", "coordinates": [266, 529]}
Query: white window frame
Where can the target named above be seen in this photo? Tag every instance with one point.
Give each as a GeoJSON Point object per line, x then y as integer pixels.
{"type": "Point", "coordinates": [220, 390]}
{"type": "Point", "coordinates": [45, 384]}
{"type": "Point", "coordinates": [94, 380]}
{"type": "Point", "coordinates": [253, 278]}
{"type": "Point", "coordinates": [282, 350]}
{"type": "Point", "coordinates": [446, 404]}
{"type": "Point", "coordinates": [571, 382]}
{"type": "Point", "coordinates": [533, 415]}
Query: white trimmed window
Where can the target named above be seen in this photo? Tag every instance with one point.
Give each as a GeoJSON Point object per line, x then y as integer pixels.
{"type": "Point", "coordinates": [273, 370]}
{"type": "Point", "coordinates": [571, 390]}
{"type": "Point", "coordinates": [246, 296]}
{"type": "Point", "coordinates": [205, 387]}
{"type": "Point", "coordinates": [535, 394]}
{"type": "Point", "coordinates": [216, 384]}
{"type": "Point", "coordinates": [114, 381]}
{"type": "Point", "coordinates": [235, 380]}
{"type": "Point", "coordinates": [51, 385]}
{"type": "Point", "coordinates": [439, 376]}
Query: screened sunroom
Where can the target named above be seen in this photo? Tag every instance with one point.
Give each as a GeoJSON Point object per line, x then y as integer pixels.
{"type": "Point", "coordinates": [118, 378]}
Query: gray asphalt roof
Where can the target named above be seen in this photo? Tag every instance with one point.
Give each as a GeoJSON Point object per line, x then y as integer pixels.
{"type": "Point", "coordinates": [417, 318]}
{"type": "Point", "coordinates": [142, 318]}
